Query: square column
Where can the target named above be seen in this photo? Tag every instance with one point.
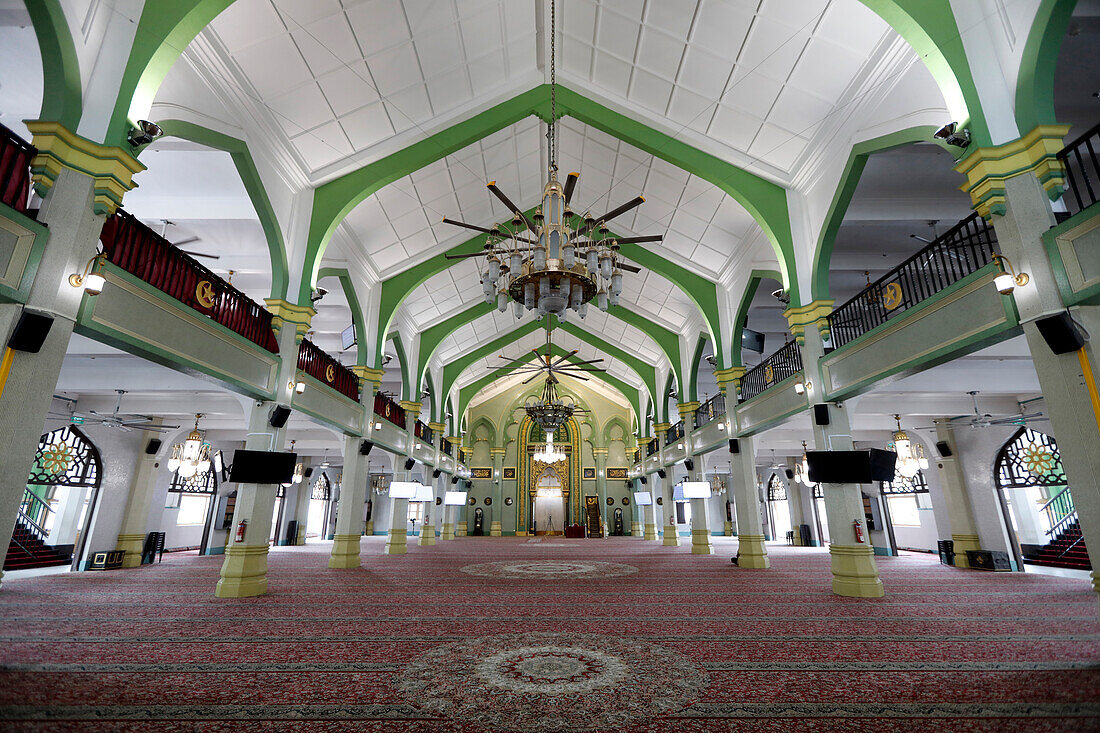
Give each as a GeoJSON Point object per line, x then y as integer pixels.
{"type": "Point", "coordinates": [396, 540]}
{"type": "Point", "coordinates": [354, 486]}
{"type": "Point", "coordinates": [131, 535]}
{"type": "Point", "coordinates": [495, 527]}
{"type": "Point", "coordinates": [751, 551]}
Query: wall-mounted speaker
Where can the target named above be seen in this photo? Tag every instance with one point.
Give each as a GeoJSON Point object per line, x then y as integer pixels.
{"type": "Point", "coordinates": [689, 464]}
{"type": "Point", "coordinates": [152, 446]}
{"type": "Point", "coordinates": [944, 449]}
{"type": "Point", "coordinates": [409, 463]}
{"type": "Point", "coordinates": [30, 331]}
{"type": "Point", "coordinates": [308, 472]}
{"type": "Point", "coordinates": [454, 479]}
{"type": "Point", "coordinates": [365, 447]}
{"type": "Point", "coordinates": [661, 472]}
{"type": "Point", "coordinates": [735, 445]}
{"type": "Point", "coordinates": [1061, 333]}
{"type": "Point", "coordinates": [821, 414]}
{"type": "Point", "coordinates": [278, 416]}
{"type": "Point", "coordinates": [788, 473]}
{"type": "Point", "coordinates": [644, 480]}
{"type": "Point", "coordinates": [436, 472]}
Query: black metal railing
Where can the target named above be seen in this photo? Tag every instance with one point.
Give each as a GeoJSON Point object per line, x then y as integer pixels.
{"type": "Point", "coordinates": [15, 170]}
{"type": "Point", "coordinates": [1082, 166]}
{"type": "Point", "coordinates": [964, 249]}
{"type": "Point", "coordinates": [674, 432]}
{"type": "Point", "coordinates": [638, 456]}
{"type": "Point", "coordinates": [423, 432]}
{"type": "Point", "coordinates": [1060, 511]}
{"type": "Point", "coordinates": [447, 447]}
{"type": "Point", "coordinates": [652, 447]}
{"type": "Point", "coordinates": [713, 408]}
{"type": "Point", "coordinates": [772, 371]}
{"type": "Point", "coordinates": [34, 511]}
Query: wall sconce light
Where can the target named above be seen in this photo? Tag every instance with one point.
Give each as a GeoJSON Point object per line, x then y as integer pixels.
{"type": "Point", "coordinates": [800, 387]}
{"type": "Point", "coordinates": [92, 282]}
{"type": "Point", "coordinates": [679, 446]}
{"type": "Point", "coordinates": [378, 426]}
{"type": "Point", "coordinates": [1008, 281]}
{"type": "Point", "coordinates": [298, 387]}
{"type": "Point", "coordinates": [145, 133]}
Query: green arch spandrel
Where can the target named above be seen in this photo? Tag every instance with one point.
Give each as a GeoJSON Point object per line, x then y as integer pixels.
{"type": "Point", "coordinates": [1035, 82]}
{"type": "Point", "coordinates": [62, 96]}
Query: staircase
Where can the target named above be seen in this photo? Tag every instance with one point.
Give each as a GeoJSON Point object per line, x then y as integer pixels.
{"type": "Point", "coordinates": [27, 550]}
{"type": "Point", "coordinates": [1067, 550]}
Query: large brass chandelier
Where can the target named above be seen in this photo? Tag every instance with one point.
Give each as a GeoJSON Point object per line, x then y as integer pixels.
{"type": "Point", "coordinates": [571, 260]}
{"type": "Point", "coordinates": [911, 459]}
{"type": "Point", "coordinates": [192, 456]}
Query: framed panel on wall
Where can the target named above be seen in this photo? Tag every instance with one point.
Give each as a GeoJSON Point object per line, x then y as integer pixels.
{"type": "Point", "coordinates": [481, 473]}
{"type": "Point", "coordinates": [510, 473]}
{"type": "Point", "coordinates": [589, 473]}
{"type": "Point", "coordinates": [619, 473]}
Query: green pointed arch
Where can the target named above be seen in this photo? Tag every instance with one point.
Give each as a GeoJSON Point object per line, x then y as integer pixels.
{"type": "Point", "coordinates": [253, 184]}
{"type": "Point", "coordinates": [342, 274]}
{"type": "Point", "coordinates": [1035, 81]}
{"type": "Point", "coordinates": [406, 387]}
{"type": "Point", "coordinates": [62, 95]}
{"type": "Point", "coordinates": [742, 318]}
{"type": "Point", "coordinates": [693, 381]}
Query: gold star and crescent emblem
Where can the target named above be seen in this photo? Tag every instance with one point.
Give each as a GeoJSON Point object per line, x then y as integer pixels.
{"type": "Point", "coordinates": [769, 374]}
{"type": "Point", "coordinates": [891, 296]}
{"type": "Point", "coordinates": [205, 294]}
{"type": "Point", "coordinates": [330, 373]}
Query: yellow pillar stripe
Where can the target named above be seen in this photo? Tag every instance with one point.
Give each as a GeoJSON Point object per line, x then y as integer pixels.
{"type": "Point", "coordinates": [1090, 382]}
{"type": "Point", "coordinates": [5, 368]}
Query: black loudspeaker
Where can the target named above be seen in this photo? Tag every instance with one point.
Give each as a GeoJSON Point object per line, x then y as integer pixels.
{"type": "Point", "coordinates": [944, 449]}
{"type": "Point", "coordinates": [644, 481]}
{"type": "Point", "coordinates": [661, 472]}
{"type": "Point", "coordinates": [409, 463]}
{"type": "Point", "coordinates": [821, 414]}
{"type": "Point", "coordinates": [308, 472]}
{"type": "Point", "coordinates": [850, 466]}
{"type": "Point", "coordinates": [365, 448]}
{"type": "Point", "coordinates": [1061, 333]}
{"type": "Point", "coordinates": [788, 473]}
{"type": "Point", "coordinates": [152, 446]}
{"type": "Point", "coordinates": [279, 415]}
{"type": "Point", "coordinates": [454, 479]}
{"type": "Point", "coordinates": [436, 472]}
{"type": "Point", "coordinates": [735, 445]}
{"type": "Point", "coordinates": [31, 331]}
{"type": "Point", "coordinates": [689, 464]}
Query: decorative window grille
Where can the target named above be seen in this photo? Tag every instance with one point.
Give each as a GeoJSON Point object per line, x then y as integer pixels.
{"type": "Point", "coordinates": [1030, 458]}
{"type": "Point", "coordinates": [777, 490]}
{"type": "Point", "coordinates": [902, 485]}
{"type": "Point", "coordinates": [65, 457]}
{"type": "Point", "coordinates": [200, 483]}
{"type": "Point", "coordinates": [322, 489]}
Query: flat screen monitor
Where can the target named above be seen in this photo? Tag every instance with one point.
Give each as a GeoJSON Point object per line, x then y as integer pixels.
{"type": "Point", "coordinates": [696, 490]}
{"type": "Point", "coordinates": [752, 340]}
{"type": "Point", "coordinates": [455, 498]}
{"type": "Point", "coordinates": [262, 467]}
{"type": "Point", "coordinates": [403, 489]}
{"type": "Point", "coordinates": [643, 498]}
{"type": "Point", "coordinates": [850, 466]}
{"type": "Point", "coordinates": [347, 337]}
{"type": "Point", "coordinates": [424, 493]}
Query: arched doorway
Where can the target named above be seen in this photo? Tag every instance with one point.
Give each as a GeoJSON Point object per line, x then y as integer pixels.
{"type": "Point", "coordinates": [779, 511]}
{"type": "Point", "coordinates": [548, 510]}
{"type": "Point", "coordinates": [531, 439]}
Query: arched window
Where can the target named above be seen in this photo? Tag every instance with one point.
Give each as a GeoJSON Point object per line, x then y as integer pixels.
{"type": "Point", "coordinates": [1032, 482]}
{"type": "Point", "coordinates": [65, 457]}
{"type": "Point", "coordinates": [1030, 458]}
{"type": "Point", "coordinates": [200, 483]}
{"type": "Point", "coordinates": [777, 490]}
{"type": "Point", "coordinates": [903, 485]}
{"type": "Point", "coordinates": [322, 489]}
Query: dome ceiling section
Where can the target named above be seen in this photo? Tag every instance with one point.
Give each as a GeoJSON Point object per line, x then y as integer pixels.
{"type": "Point", "coordinates": [340, 78]}
{"type": "Point", "coordinates": [755, 78]}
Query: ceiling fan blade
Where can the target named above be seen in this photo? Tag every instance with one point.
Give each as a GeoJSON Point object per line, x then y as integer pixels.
{"type": "Point", "coordinates": [563, 357]}
{"type": "Point", "coordinates": [641, 240]}
{"type": "Point", "coordinates": [529, 379]}
{"type": "Point", "coordinates": [628, 268]}
{"type": "Point", "coordinates": [182, 242]}
{"type": "Point", "coordinates": [200, 254]}
{"type": "Point", "coordinates": [463, 224]}
{"type": "Point", "coordinates": [492, 186]}
{"type": "Point", "coordinates": [465, 256]}
{"type": "Point", "coordinates": [570, 184]}
{"type": "Point", "coordinates": [634, 202]}
{"type": "Point", "coordinates": [582, 363]}
{"type": "Point", "coordinates": [577, 376]}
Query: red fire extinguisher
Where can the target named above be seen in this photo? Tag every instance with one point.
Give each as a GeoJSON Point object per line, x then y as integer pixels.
{"type": "Point", "coordinates": [240, 529]}
{"type": "Point", "coordinates": [859, 531]}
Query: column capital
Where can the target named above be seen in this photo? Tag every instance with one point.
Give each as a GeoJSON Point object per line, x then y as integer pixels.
{"type": "Point", "coordinates": [413, 408]}
{"type": "Point", "coordinates": [987, 169]}
{"type": "Point", "coordinates": [661, 427]}
{"type": "Point", "coordinates": [729, 378]}
{"type": "Point", "coordinates": [687, 408]}
{"type": "Point", "coordinates": [437, 427]}
{"type": "Point", "coordinates": [110, 166]}
{"type": "Point", "coordinates": [284, 312]}
{"type": "Point", "coordinates": [814, 313]}
{"type": "Point", "coordinates": [597, 452]}
{"type": "Point", "coordinates": [368, 374]}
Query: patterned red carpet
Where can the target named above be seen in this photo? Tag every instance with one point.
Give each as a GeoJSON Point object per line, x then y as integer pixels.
{"type": "Point", "coordinates": [556, 635]}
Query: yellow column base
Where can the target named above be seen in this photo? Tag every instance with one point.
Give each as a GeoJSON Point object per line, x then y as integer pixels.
{"type": "Point", "coordinates": [650, 532]}
{"type": "Point", "coordinates": [728, 529]}
{"type": "Point", "coordinates": [427, 536]}
{"type": "Point", "coordinates": [494, 529]}
{"type": "Point", "coordinates": [855, 573]}
{"type": "Point", "coordinates": [244, 572]}
{"type": "Point", "coordinates": [964, 542]}
{"type": "Point", "coordinates": [460, 529]}
{"type": "Point", "coordinates": [448, 531]}
{"type": "Point", "coordinates": [395, 543]}
{"type": "Point", "coordinates": [345, 551]}
{"type": "Point", "coordinates": [752, 553]}
{"type": "Point", "coordinates": [132, 544]}
{"type": "Point", "coordinates": [670, 537]}
{"type": "Point", "coordinates": [700, 542]}
{"type": "Point", "coordinates": [636, 529]}
{"type": "Point", "coordinates": [369, 529]}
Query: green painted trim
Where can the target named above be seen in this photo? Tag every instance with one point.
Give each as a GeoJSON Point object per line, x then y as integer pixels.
{"type": "Point", "coordinates": [125, 342]}
{"type": "Point", "coordinates": [1035, 81]}
{"type": "Point", "coordinates": [434, 335]}
{"type": "Point", "coordinates": [842, 197]}
{"type": "Point", "coordinates": [987, 337]}
{"type": "Point", "coordinates": [314, 383]}
{"type": "Point", "coordinates": [646, 372]}
{"type": "Point", "coordinates": [432, 416]}
{"type": "Point", "coordinates": [253, 184]}
{"type": "Point", "coordinates": [399, 347]}
{"type": "Point", "coordinates": [929, 27]}
{"type": "Point", "coordinates": [34, 258]}
{"type": "Point", "coordinates": [693, 382]}
{"type": "Point", "coordinates": [62, 98]}
{"type": "Point", "coordinates": [164, 30]}
{"type": "Point", "coordinates": [342, 274]}
{"type": "Point", "coordinates": [1087, 296]}
{"type": "Point", "coordinates": [742, 319]}
{"type": "Point", "coordinates": [662, 403]}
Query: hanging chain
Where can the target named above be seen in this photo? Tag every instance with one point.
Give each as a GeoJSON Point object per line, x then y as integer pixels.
{"type": "Point", "coordinates": [551, 133]}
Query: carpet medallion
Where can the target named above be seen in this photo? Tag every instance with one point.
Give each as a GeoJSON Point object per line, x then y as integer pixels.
{"type": "Point", "coordinates": [550, 569]}
{"type": "Point", "coordinates": [552, 682]}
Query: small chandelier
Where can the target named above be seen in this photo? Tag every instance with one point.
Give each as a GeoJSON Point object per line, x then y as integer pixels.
{"type": "Point", "coordinates": [550, 411]}
{"type": "Point", "coordinates": [549, 453]}
{"type": "Point", "coordinates": [299, 470]}
{"type": "Point", "coordinates": [911, 458]}
{"type": "Point", "coordinates": [192, 456]}
{"type": "Point", "coordinates": [802, 470]}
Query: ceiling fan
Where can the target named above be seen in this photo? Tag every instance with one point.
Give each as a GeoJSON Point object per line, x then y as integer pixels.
{"type": "Point", "coordinates": [549, 366]}
{"type": "Point", "coordinates": [164, 234]}
{"type": "Point", "coordinates": [124, 421]}
{"type": "Point", "coordinates": [980, 420]}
